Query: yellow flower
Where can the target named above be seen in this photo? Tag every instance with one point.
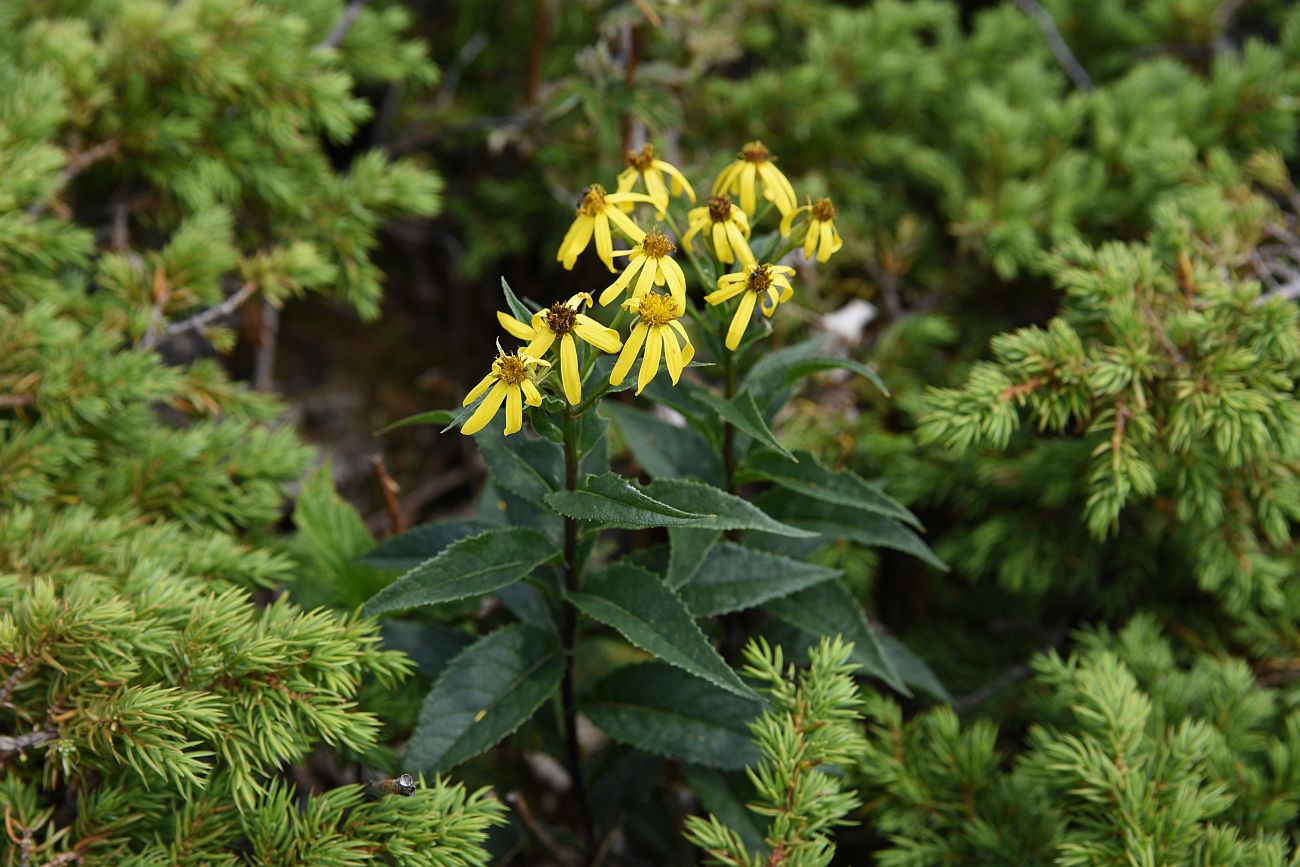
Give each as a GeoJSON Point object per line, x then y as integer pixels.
{"type": "Point", "coordinates": [657, 330]}
{"type": "Point", "coordinates": [822, 237]}
{"type": "Point", "coordinates": [511, 380]}
{"type": "Point", "coordinates": [653, 258]}
{"type": "Point", "coordinates": [755, 164]}
{"type": "Point", "coordinates": [723, 224]}
{"type": "Point", "coordinates": [769, 284]}
{"type": "Point", "coordinates": [596, 210]}
{"type": "Point", "coordinates": [562, 320]}
{"type": "Point", "coordinates": [648, 167]}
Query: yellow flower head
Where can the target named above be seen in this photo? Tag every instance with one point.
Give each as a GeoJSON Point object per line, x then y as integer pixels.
{"type": "Point", "coordinates": [645, 165]}
{"type": "Point", "coordinates": [562, 320]}
{"type": "Point", "coordinates": [725, 225]}
{"type": "Point", "coordinates": [657, 330]}
{"type": "Point", "coordinates": [769, 284]}
{"type": "Point", "coordinates": [822, 237]}
{"type": "Point", "coordinates": [596, 210]}
{"type": "Point", "coordinates": [511, 381]}
{"type": "Point", "coordinates": [653, 258]}
{"type": "Point", "coordinates": [755, 164]}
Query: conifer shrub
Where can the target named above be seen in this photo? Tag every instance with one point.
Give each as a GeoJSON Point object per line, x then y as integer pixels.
{"type": "Point", "coordinates": [164, 165]}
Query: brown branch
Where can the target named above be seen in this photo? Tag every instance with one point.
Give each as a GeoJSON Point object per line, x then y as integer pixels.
{"type": "Point", "coordinates": [537, 51]}
{"type": "Point", "coordinates": [9, 401]}
{"type": "Point", "coordinates": [1160, 332]}
{"type": "Point", "coordinates": [77, 164]}
{"type": "Point", "coordinates": [18, 743]}
{"type": "Point", "coordinates": [267, 337]}
{"type": "Point", "coordinates": [1023, 388]}
{"type": "Point", "coordinates": [207, 317]}
{"type": "Point", "coordinates": [11, 682]}
{"type": "Point", "coordinates": [649, 13]}
{"type": "Point", "coordinates": [388, 489]}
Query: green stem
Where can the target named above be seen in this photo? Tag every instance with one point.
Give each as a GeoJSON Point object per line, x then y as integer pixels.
{"type": "Point", "coordinates": [728, 431]}
{"type": "Point", "coordinates": [569, 631]}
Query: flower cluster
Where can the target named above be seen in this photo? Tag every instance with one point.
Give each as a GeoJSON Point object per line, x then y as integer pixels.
{"type": "Point", "coordinates": [724, 226]}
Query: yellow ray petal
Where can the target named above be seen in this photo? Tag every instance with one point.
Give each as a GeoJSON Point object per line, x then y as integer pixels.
{"type": "Point", "coordinates": [646, 280]}
{"type": "Point", "coordinates": [625, 358]}
{"type": "Point", "coordinates": [620, 283]}
{"type": "Point", "coordinates": [514, 410]}
{"type": "Point", "coordinates": [721, 248]}
{"type": "Point", "coordinates": [740, 321]}
{"type": "Point", "coordinates": [827, 244]}
{"type": "Point", "coordinates": [604, 339]}
{"type": "Point", "coordinates": [514, 327]}
{"type": "Point", "coordinates": [654, 185]}
{"type": "Point", "coordinates": [676, 282]}
{"type": "Point", "coordinates": [672, 355]}
{"type": "Point", "coordinates": [810, 239]}
{"type": "Point", "coordinates": [486, 410]}
{"type": "Point", "coordinates": [747, 202]}
{"type": "Point", "coordinates": [604, 241]}
{"type": "Point", "coordinates": [679, 180]}
{"type": "Point", "coordinates": [650, 360]}
{"type": "Point", "coordinates": [625, 225]}
{"type": "Point", "coordinates": [726, 293]}
{"type": "Point", "coordinates": [542, 342]}
{"type": "Point", "coordinates": [740, 246]}
{"type": "Point", "coordinates": [569, 375]}
{"type": "Point", "coordinates": [532, 396]}
{"type": "Point", "coordinates": [726, 177]}
{"type": "Point", "coordinates": [788, 219]}
{"type": "Point", "coordinates": [575, 240]}
{"type": "Point", "coordinates": [482, 386]}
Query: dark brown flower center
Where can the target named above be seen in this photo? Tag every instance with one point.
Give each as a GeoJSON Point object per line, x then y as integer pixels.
{"type": "Point", "coordinates": [755, 152]}
{"type": "Point", "coordinates": [511, 369]}
{"type": "Point", "coordinates": [656, 245]}
{"type": "Point", "coordinates": [560, 317]}
{"type": "Point", "coordinates": [643, 159]}
{"type": "Point", "coordinates": [720, 209]}
{"type": "Point", "coordinates": [592, 201]}
{"type": "Point", "coordinates": [823, 210]}
{"type": "Point", "coordinates": [760, 279]}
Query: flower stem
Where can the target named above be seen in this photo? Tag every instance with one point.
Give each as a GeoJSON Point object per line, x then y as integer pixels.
{"type": "Point", "coordinates": [569, 631]}
{"type": "Point", "coordinates": [728, 430]}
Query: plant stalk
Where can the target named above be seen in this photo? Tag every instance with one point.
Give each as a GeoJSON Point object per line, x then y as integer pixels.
{"type": "Point", "coordinates": [569, 633]}
{"type": "Point", "coordinates": [728, 430]}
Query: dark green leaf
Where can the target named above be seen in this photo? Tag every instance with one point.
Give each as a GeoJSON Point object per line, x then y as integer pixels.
{"type": "Point", "coordinates": [664, 450]}
{"type": "Point", "coordinates": [531, 468]}
{"type": "Point", "coordinates": [811, 478]}
{"type": "Point", "coordinates": [829, 609]}
{"type": "Point", "coordinates": [529, 604]}
{"type": "Point", "coordinates": [838, 522]}
{"type": "Point", "coordinates": [725, 796]}
{"type": "Point", "coordinates": [470, 567]}
{"type": "Point", "coordinates": [723, 511]}
{"type": "Point", "coordinates": [687, 550]}
{"type": "Point", "coordinates": [611, 500]}
{"type": "Point", "coordinates": [734, 578]}
{"type": "Point", "coordinates": [443, 417]}
{"type": "Point", "coordinates": [913, 668]}
{"type": "Point", "coordinates": [410, 549]}
{"type": "Point", "coordinates": [484, 694]}
{"type": "Point", "coordinates": [517, 307]}
{"type": "Point", "coordinates": [654, 618]}
{"type": "Point", "coordinates": [664, 710]}
{"type": "Point", "coordinates": [815, 365]}
{"type": "Point", "coordinates": [742, 412]}
{"type": "Point", "coordinates": [430, 645]}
